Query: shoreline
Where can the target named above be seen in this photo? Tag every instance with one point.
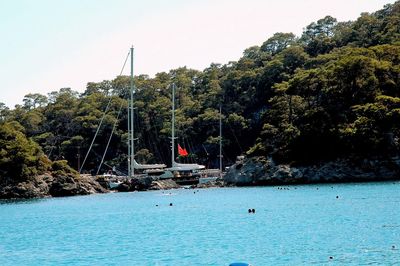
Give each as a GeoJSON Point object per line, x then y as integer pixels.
{"type": "Point", "coordinates": [319, 183]}
{"type": "Point", "coordinates": [251, 172]}
{"type": "Point", "coordinates": [264, 171]}
{"type": "Point", "coordinates": [213, 186]}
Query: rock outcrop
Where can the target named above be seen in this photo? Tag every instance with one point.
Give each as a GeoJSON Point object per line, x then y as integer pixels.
{"type": "Point", "coordinates": [135, 184]}
{"type": "Point", "coordinates": [49, 185]}
{"type": "Point", "coordinates": [35, 188]}
{"type": "Point", "coordinates": [164, 184]}
{"type": "Point", "coordinates": [70, 186]}
{"type": "Point", "coordinates": [263, 171]}
{"type": "Point", "coordinates": [211, 184]}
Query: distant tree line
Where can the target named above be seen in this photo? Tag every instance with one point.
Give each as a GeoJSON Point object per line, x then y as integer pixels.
{"type": "Point", "coordinates": [332, 92]}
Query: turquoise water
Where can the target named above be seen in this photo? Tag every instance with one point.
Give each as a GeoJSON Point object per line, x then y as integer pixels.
{"type": "Point", "coordinates": [302, 226]}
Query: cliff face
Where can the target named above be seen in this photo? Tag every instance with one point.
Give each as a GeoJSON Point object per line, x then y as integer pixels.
{"type": "Point", "coordinates": [262, 171]}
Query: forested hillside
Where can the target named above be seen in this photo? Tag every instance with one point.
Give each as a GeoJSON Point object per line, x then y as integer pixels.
{"type": "Point", "coordinates": [334, 91]}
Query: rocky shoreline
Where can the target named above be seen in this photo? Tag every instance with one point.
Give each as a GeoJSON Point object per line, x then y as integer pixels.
{"type": "Point", "coordinates": [48, 185]}
{"type": "Point", "coordinates": [261, 171]}
{"type": "Point", "coordinates": [256, 171]}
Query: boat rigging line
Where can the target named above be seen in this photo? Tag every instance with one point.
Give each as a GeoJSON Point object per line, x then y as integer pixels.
{"type": "Point", "coordinates": [101, 120]}
{"type": "Point", "coordinates": [109, 139]}
{"type": "Point", "coordinates": [119, 171]}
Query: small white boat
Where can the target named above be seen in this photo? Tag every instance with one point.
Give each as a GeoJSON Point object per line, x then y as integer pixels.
{"type": "Point", "coordinates": [114, 184]}
{"type": "Point", "coordinates": [113, 180]}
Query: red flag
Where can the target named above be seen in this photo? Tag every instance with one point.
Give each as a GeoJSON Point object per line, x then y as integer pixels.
{"type": "Point", "coordinates": [182, 152]}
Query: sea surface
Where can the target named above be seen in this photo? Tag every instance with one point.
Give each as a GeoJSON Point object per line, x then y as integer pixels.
{"type": "Point", "coordinates": [292, 225]}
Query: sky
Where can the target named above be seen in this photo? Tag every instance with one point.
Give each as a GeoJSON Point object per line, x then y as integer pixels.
{"type": "Point", "coordinates": [46, 45]}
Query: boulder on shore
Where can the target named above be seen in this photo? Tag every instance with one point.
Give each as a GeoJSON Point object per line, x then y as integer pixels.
{"type": "Point", "coordinates": [69, 186]}
{"type": "Point", "coordinates": [164, 184]}
{"type": "Point", "coordinates": [135, 184]}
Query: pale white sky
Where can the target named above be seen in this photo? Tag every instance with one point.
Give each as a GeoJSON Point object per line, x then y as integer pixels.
{"type": "Point", "coordinates": [47, 45]}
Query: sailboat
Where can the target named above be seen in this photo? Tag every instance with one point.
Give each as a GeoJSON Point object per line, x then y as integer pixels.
{"type": "Point", "coordinates": [182, 173]}
{"type": "Point", "coordinates": [146, 169]}
{"type": "Point", "coordinates": [143, 169]}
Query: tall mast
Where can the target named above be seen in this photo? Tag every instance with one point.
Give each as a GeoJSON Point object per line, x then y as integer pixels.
{"type": "Point", "coordinates": [173, 127]}
{"type": "Point", "coordinates": [132, 122]}
{"type": "Point", "coordinates": [220, 140]}
{"type": "Point", "coordinates": [129, 133]}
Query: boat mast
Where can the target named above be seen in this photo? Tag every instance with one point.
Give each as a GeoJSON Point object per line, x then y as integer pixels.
{"type": "Point", "coordinates": [131, 116]}
{"type": "Point", "coordinates": [220, 140]}
{"type": "Point", "coordinates": [173, 127]}
{"type": "Point", "coordinates": [129, 135]}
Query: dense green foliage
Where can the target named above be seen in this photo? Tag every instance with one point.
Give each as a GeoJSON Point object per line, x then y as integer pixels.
{"type": "Point", "coordinates": [61, 168]}
{"type": "Point", "coordinates": [332, 92]}
{"type": "Point", "coordinates": [20, 158]}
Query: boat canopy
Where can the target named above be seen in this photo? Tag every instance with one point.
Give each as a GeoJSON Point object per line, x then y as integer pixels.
{"type": "Point", "coordinates": [185, 167]}
{"type": "Point", "coordinates": [139, 166]}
